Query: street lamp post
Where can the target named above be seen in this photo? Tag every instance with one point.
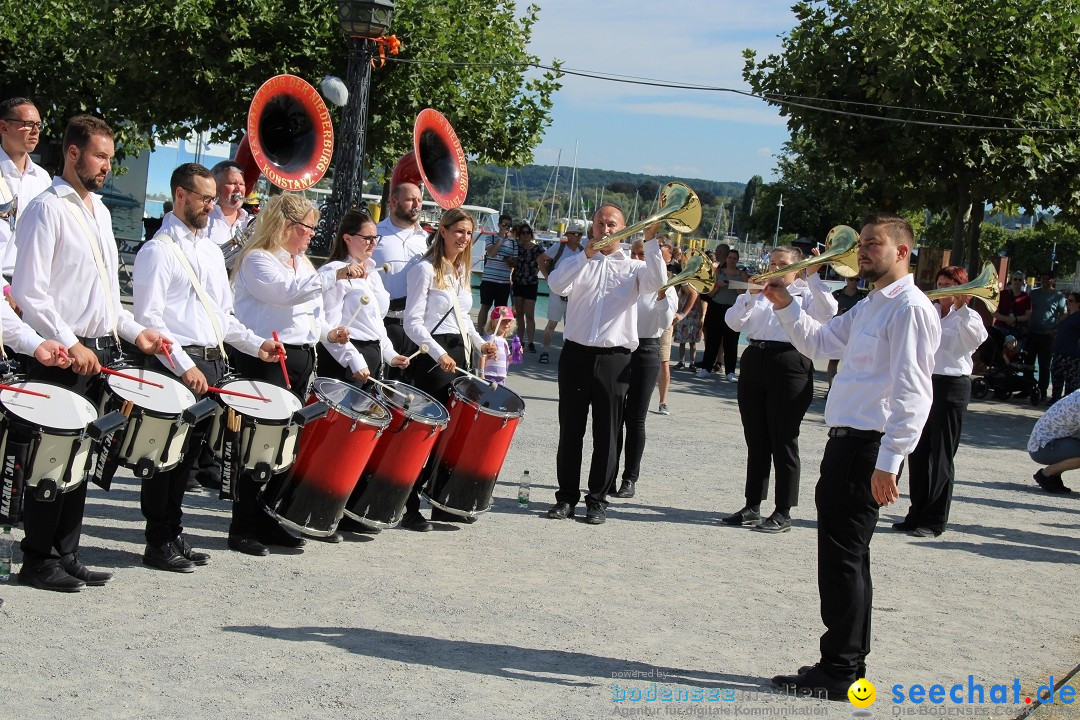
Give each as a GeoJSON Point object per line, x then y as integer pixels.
{"type": "Point", "coordinates": [362, 21]}
{"type": "Point", "coordinates": [779, 209]}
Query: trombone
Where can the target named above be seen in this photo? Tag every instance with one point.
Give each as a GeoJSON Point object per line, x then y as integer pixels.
{"type": "Point", "coordinates": [680, 208]}
{"type": "Point", "coordinates": [699, 274]}
{"type": "Point", "coordinates": [984, 287]}
{"type": "Point", "coordinates": [841, 250]}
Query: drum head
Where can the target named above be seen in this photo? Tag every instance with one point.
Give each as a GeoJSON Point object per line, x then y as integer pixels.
{"type": "Point", "coordinates": [497, 401]}
{"type": "Point", "coordinates": [62, 410]}
{"type": "Point", "coordinates": [351, 402]}
{"type": "Point", "coordinates": [421, 408]}
{"type": "Point", "coordinates": [172, 399]}
{"type": "Point", "coordinates": [280, 403]}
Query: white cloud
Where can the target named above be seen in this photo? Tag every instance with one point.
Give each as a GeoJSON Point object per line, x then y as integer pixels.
{"type": "Point", "coordinates": [765, 152]}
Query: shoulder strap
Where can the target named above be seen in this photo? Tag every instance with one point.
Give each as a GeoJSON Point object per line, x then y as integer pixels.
{"type": "Point", "coordinates": [200, 291]}
{"type": "Point", "coordinates": [95, 248]}
{"type": "Point", "coordinates": [454, 288]}
{"type": "Point", "coordinates": [558, 254]}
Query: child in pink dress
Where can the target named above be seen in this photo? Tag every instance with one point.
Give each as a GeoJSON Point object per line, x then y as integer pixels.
{"type": "Point", "coordinates": [500, 326]}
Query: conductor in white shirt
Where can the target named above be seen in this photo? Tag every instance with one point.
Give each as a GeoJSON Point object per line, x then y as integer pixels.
{"type": "Point", "coordinates": [602, 288]}
{"type": "Point", "coordinates": [875, 412]}
{"type": "Point", "coordinates": [21, 179]}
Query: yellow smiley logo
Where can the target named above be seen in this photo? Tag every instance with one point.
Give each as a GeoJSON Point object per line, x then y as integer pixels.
{"type": "Point", "coordinates": [862, 693]}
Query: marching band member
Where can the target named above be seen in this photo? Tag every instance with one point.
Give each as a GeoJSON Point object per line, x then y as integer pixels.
{"type": "Point", "coordinates": [776, 386]}
{"type": "Point", "coordinates": [930, 467]}
{"type": "Point", "coordinates": [181, 289]}
{"type": "Point", "coordinates": [228, 218]}
{"type": "Point", "coordinates": [437, 314]}
{"type": "Point", "coordinates": [21, 179]}
{"type": "Point", "coordinates": [602, 289]}
{"type": "Point", "coordinates": [401, 242]}
{"type": "Point", "coordinates": [66, 284]}
{"type": "Point", "coordinates": [362, 301]}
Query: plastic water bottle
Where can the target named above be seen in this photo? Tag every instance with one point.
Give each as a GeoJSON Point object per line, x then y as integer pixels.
{"type": "Point", "coordinates": [7, 551]}
{"type": "Point", "coordinates": [523, 490]}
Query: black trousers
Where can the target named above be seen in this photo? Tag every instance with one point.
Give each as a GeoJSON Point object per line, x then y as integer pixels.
{"type": "Point", "coordinates": [331, 368]}
{"type": "Point", "coordinates": [594, 379]}
{"type": "Point", "coordinates": [161, 496]}
{"type": "Point", "coordinates": [719, 336]}
{"type": "Point", "coordinates": [299, 363]}
{"type": "Point", "coordinates": [931, 470]}
{"type": "Point", "coordinates": [401, 342]}
{"type": "Point", "coordinates": [776, 387]}
{"type": "Point", "coordinates": [847, 515]}
{"type": "Point", "coordinates": [1040, 345]}
{"type": "Point", "coordinates": [53, 529]}
{"type": "Point", "coordinates": [644, 370]}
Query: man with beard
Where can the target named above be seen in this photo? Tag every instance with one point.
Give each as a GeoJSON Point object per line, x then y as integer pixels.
{"type": "Point", "coordinates": [228, 217]}
{"type": "Point", "coordinates": [66, 284]}
{"type": "Point", "coordinates": [21, 179]}
{"type": "Point", "coordinates": [401, 241]}
{"type": "Point", "coordinates": [181, 289]}
{"type": "Point", "coordinates": [876, 409]}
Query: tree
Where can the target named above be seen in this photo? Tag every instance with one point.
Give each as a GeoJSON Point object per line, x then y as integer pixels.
{"type": "Point", "coordinates": [939, 61]}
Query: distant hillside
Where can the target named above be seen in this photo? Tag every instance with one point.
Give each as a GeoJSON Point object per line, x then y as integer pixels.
{"type": "Point", "coordinates": [532, 179]}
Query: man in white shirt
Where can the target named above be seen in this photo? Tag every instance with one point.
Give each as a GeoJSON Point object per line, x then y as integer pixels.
{"type": "Point", "coordinates": [66, 284]}
{"type": "Point", "coordinates": [165, 299]}
{"type": "Point", "coordinates": [548, 262]}
{"type": "Point", "coordinates": [876, 409]}
{"type": "Point", "coordinates": [401, 242]}
{"type": "Point", "coordinates": [602, 289]}
{"type": "Point", "coordinates": [21, 180]}
{"type": "Point", "coordinates": [228, 218]}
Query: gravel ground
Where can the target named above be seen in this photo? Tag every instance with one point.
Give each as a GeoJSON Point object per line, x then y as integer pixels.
{"type": "Point", "coordinates": [520, 616]}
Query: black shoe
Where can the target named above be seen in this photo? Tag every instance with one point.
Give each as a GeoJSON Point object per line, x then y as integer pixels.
{"type": "Point", "coordinates": [814, 683]}
{"type": "Point", "coordinates": [775, 523]}
{"type": "Point", "coordinates": [860, 673]}
{"type": "Point", "coordinates": [594, 514]}
{"type": "Point", "coordinates": [1051, 483]}
{"type": "Point", "coordinates": [415, 521]}
{"type": "Point", "coordinates": [349, 525]}
{"type": "Point", "coordinates": [561, 511]}
{"type": "Point", "coordinates": [532, 347]}
{"type": "Point", "coordinates": [277, 535]}
{"type": "Point", "coordinates": [626, 489]}
{"type": "Point", "coordinates": [210, 482]}
{"type": "Point", "coordinates": [332, 538]}
{"type": "Point", "coordinates": [746, 516]}
{"type": "Point", "coordinates": [248, 546]}
{"type": "Point", "coordinates": [76, 569]}
{"type": "Point", "coordinates": [904, 525]}
{"type": "Point", "coordinates": [440, 515]}
{"type": "Point", "coordinates": [166, 557]}
{"type": "Point", "coordinates": [51, 577]}
{"type": "Point", "coordinates": [196, 557]}
{"type": "Point", "coordinates": [193, 485]}
{"type": "Point", "coordinates": [924, 532]}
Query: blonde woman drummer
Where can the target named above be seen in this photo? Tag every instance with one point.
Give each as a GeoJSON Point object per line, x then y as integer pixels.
{"type": "Point", "coordinates": [360, 304]}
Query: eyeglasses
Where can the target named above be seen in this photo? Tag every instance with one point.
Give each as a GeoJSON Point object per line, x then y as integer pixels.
{"type": "Point", "coordinates": [505, 224]}
{"type": "Point", "coordinates": [369, 239]}
{"type": "Point", "coordinates": [27, 124]}
{"type": "Point", "coordinates": [312, 228]}
{"type": "Point", "coordinates": [204, 199]}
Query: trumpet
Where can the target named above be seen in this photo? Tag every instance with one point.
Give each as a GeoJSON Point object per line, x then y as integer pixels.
{"type": "Point", "coordinates": [699, 273]}
{"type": "Point", "coordinates": [680, 208]}
{"type": "Point", "coordinates": [841, 249]}
{"type": "Point", "coordinates": [984, 287]}
{"type": "Point", "coordinates": [9, 210]}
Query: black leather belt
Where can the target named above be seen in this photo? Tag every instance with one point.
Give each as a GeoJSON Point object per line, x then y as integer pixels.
{"type": "Point", "coordinates": [839, 432]}
{"type": "Point", "coordinates": [770, 345]}
{"type": "Point", "coordinates": [617, 350]}
{"type": "Point", "coordinates": [391, 321]}
{"type": "Point", "coordinates": [305, 346]}
{"type": "Point", "coordinates": [396, 304]}
{"type": "Point", "coordinates": [648, 341]}
{"type": "Point", "coordinates": [210, 354]}
{"type": "Point", "coordinates": [99, 343]}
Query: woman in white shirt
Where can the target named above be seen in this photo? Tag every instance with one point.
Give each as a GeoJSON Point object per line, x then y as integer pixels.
{"type": "Point", "coordinates": [776, 386]}
{"type": "Point", "coordinates": [930, 465]}
{"type": "Point", "coordinates": [360, 304]}
{"type": "Point", "coordinates": [277, 290]}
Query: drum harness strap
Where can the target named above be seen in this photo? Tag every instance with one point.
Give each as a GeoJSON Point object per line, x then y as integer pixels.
{"type": "Point", "coordinates": [455, 288]}
{"type": "Point", "coordinates": [200, 291]}
{"type": "Point", "coordinates": [95, 247]}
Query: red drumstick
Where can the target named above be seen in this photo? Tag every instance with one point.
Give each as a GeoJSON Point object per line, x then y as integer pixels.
{"type": "Point", "coordinates": [237, 394]}
{"type": "Point", "coordinates": [166, 350]}
{"type": "Point", "coordinates": [12, 388]}
{"type": "Point", "coordinates": [281, 359]}
{"type": "Point", "coordinates": [125, 376]}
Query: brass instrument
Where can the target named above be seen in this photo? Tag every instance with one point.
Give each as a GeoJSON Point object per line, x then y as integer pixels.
{"type": "Point", "coordinates": [9, 210]}
{"type": "Point", "coordinates": [233, 247]}
{"type": "Point", "coordinates": [985, 287]}
{"type": "Point", "coordinates": [841, 250]}
{"type": "Point", "coordinates": [680, 208]}
{"type": "Point", "coordinates": [699, 273]}
{"type": "Point", "coordinates": [437, 161]}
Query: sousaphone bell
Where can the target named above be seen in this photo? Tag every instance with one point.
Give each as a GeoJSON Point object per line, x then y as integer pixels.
{"type": "Point", "coordinates": [436, 161]}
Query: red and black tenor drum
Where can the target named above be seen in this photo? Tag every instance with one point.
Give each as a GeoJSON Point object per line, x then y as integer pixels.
{"type": "Point", "coordinates": [467, 459]}
{"type": "Point", "coordinates": [416, 421]}
{"type": "Point", "coordinates": [333, 453]}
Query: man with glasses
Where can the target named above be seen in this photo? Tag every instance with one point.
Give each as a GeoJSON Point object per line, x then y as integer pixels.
{"type": "Point", "coordinates": [1014, 308]}
{"type": "Point", "coordinates": [228, 218]}
{"type": "Point", "coordinates": [500, 255]}
{"type": "Point", "coordinates": [401, 242]}
{"type": "Point", "coordinates": [556, 309]}
{"type": "Point", "coordinates": [21, 179]}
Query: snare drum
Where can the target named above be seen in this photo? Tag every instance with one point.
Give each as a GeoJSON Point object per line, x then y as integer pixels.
{"type": "Point", "coordinates": [416, 421]}
{"type": "Point", "coordinates": [265, 441]}
{"type": "Point", "coordinates": [333, 452]}
{"type": "Point", "coordinates": [466, 461]}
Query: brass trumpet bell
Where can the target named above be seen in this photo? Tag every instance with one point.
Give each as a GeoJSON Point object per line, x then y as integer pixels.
{"type": "Point", "coordinates": [984, 286]}
{"type": "Point", "coordinates": [680, 208]}
{"type": "Point", "coordinates": [841, 251]}
{"type": "Point", "coordinates": [699, 273]}
{"type": "Point", "coordinates": [9, 210]}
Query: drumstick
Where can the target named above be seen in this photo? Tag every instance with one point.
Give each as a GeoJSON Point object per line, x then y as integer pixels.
{"type": "Point", "coordinates": [12, 388]}
{"type": "Point", "coordinates": [423, 349]}
{"type": "Point", "coordinates": [363, 301]}
{"type": "Point", "coordinates": [409, 397]}
{"type": "Point", "coordinates": [166, 349]}
{"type": "Point", "coordinates": [236, 394]}
{"type": "Point", "coordinates": [125, 376]}
{"type": "Point", "coordinates": [477, 377]}
{"type": "Point", "coordinates": [281, 359]}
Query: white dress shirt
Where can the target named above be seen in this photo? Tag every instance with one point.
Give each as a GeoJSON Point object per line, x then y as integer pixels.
{"type": "Point", "coordinates": [754, 313]}
{"type": "Point", "coordinates": [400, 248]}
{"type": "Point", "coordinates": [602, 294]}
{"type": "Point", "coordinates": [343, 299]}
{"type": "Point", "coordinates": [18, 336]}
{"type": "Point", "coordinates": [25, 185]}
{"type": "Point", "coordinates": [962, 332]}
{"type": "Point", "coordinates": [220, 231]}
{"type": "Point", "coordinates": [271, 296]}
{"type": "Point", "coordinates": [655, 316]}
{"type": "Point", "coordinates": [426, 305]}
{"type": "Point", "coordinates": [165, 300]}
{"type": "Point", "coordinates": [56, 281]}
{"type": "Point", "coordinates": [887, 344]}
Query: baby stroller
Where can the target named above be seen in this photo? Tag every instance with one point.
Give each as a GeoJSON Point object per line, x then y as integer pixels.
{"type": "Point", "coordinates": [1009, 369]}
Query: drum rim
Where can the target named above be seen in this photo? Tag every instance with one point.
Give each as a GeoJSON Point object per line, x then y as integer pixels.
{"type": "Point", "coordinates": [423, 419]}
{"type": "Point", "coordinates": [62, 432]}
{"type": "Point", "coordinates": [224, 402]}
{"type": "Point", "coordinates": [349, 412]}
{"type": "Point", "coordinates": [486, 410]}
{"type": "Point", "coordinates": [160, 414]}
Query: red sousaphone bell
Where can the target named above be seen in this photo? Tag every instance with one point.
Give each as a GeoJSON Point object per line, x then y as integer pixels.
{"type": "Point", "coordinates": [437, 161]}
